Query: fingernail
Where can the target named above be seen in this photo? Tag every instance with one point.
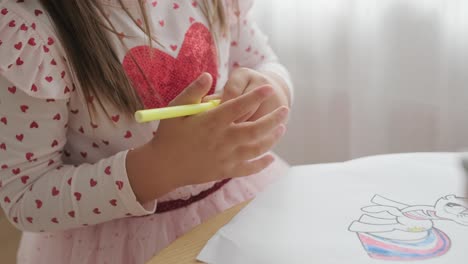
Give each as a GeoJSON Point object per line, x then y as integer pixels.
{"type": "Point", "coordinates": [271, 160]}
{"type": "Point", "coordinates": [204, 78]}
{"type": "Point", "coordinates": [266, 90]}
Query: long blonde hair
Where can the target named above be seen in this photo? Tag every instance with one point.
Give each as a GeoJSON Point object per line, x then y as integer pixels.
{"type": "Point", "coordinates": [96, 65]}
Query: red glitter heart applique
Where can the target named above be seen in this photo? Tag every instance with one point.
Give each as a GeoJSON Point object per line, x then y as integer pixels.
{"type": "Point", "coordinates": [165, 77]}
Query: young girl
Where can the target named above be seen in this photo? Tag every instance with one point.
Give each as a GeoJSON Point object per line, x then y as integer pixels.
{"type": "Point", "coordinates": [78, 175]}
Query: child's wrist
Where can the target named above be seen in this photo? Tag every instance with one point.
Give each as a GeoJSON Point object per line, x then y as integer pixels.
{"type": "Point", "coordinates": [146, 174]}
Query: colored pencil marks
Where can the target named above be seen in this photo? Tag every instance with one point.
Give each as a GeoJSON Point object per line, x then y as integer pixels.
{"type": "Point", "coordinates": [390, 230]}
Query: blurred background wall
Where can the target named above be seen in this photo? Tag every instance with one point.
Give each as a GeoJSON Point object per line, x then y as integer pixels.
{"type": "Point", "coordinates": [371, 77]}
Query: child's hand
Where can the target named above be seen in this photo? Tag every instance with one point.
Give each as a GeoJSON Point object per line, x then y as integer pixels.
{"type": "Point", "coordinates": [244, 80]}
{"type": "Point", "coordinates": [209, 146]}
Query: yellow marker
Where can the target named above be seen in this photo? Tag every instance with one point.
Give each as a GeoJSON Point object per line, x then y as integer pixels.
{"type": "Point", "coordinates": [143, 116]}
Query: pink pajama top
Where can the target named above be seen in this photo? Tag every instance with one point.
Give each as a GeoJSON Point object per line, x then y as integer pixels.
{"type": "Point", "coordinates": [62, 173]}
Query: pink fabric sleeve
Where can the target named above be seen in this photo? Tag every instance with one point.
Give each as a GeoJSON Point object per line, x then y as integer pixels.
{"type": "Point", "coordinates": [249, 46]}
{"type": "Point", "coordinates": [37, 191]}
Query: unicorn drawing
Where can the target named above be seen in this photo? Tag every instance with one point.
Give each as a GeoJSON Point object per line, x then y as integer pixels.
{"type": "Point", "coordinates": [390, 230]}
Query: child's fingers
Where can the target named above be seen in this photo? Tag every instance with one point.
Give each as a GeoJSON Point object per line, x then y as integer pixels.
{"type": "Point", "coordinates": [195, 91]}
{"type": "Point", "coordinates": [258, 148]}
{"type": "Point", "coordinates": [211, 97]}
{"type": "Point", "coordinates": [252, 131]}
{"type": "Point", "coordinates": [236, 85]}
{"type": "Point", "coordinates": [232, 110]}
{"type": "Point", "coordinates": [251, 86]}
{"type": "Point", "coordinates": [247, 168]}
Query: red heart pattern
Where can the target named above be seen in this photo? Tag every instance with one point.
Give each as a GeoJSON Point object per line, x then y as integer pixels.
{"type": "Point", "coordinates": [168, 76]}
{"type": "Point", "coordinates": [24, 179]}
{"type": "Point", "coordinates": [29, 156]}
{"type": "Point", "coordinates": [92, 182]}
{"type": "Point", "coordinates": [158, 75]}
{"type": "Point", "coordinates": [20, 137]}
{"type": "Point", "coordinates": [32, 41]}
{"type": "Point", "coordinates": [128, 134]}
{"type": "Point", "coordinates": [116, 118]}
{"type": "Point", "coordinates": [77, 196]}
{"type": "Point", "coordinates": [55, 191]}
{"type": "Point", "coordinates": [119, 184]}
{"type": "Point", "coordinates": [24, 108]}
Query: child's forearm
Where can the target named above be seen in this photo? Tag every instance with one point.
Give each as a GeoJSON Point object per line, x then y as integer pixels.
{"type": "Point", "coordinates": [147, 181]}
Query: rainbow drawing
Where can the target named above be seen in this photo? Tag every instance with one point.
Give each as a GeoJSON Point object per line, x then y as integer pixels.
{"type": "Point", "coordinates": [436, 244]}
{"type": "Point", "coordinates": [394, 231]}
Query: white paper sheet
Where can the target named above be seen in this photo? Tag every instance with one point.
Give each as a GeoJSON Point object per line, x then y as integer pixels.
{"type": "Point", "coordinates": [374, 210]}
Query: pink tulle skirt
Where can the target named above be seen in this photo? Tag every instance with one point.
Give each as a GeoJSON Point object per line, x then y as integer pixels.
{"type": "Point", "coordinates": [138, 239]}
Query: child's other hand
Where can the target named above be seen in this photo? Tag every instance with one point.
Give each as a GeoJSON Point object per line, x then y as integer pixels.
{"type": "Point", "coordinates": [211, 146]}
{"type": "Point", "coordinates": [244, 80]}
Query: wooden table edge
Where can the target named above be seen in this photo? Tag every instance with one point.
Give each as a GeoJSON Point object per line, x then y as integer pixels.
{"type": "Point", "coordinates": [186, 248]}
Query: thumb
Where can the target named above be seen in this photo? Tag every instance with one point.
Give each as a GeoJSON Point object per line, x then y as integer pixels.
{"type": "Point", "coordinates": [194, 93]}
{"type": "Point", "coordinates": [212, 97]}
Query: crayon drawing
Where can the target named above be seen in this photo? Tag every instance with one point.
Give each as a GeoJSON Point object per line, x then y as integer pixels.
{"type": "Point", "coordinates": [390, 230]}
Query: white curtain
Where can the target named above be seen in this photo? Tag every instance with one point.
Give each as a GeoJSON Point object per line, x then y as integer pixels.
{"type": "Point", "coordinates": [371, 76]}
